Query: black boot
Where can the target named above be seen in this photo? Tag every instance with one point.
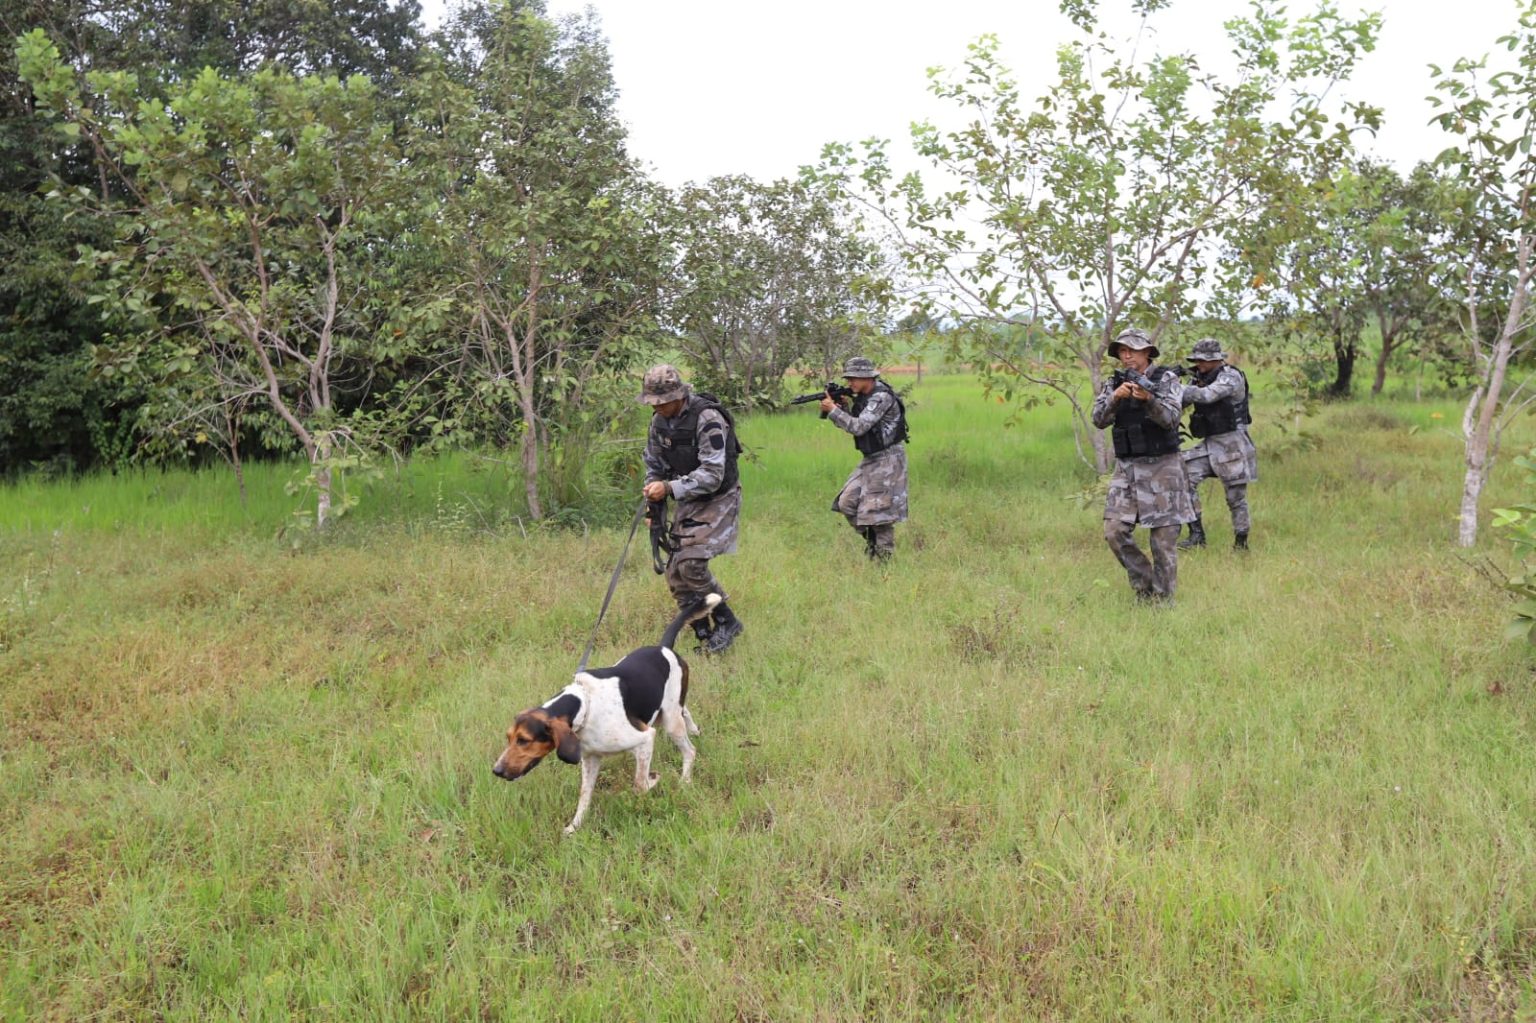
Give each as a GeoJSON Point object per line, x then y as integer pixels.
{"type": "Point", "coordinates": [869, 541]}
{"type": "Point", "coordinates": [727, 628]}
{"type": "Point", "coordinates": [1240, 541]}
{"type": "Point", "coordinates": [1196, 537]}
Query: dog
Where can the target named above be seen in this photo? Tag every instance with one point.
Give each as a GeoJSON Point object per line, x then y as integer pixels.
{"type": "Point", "coordinates": [610, 710]}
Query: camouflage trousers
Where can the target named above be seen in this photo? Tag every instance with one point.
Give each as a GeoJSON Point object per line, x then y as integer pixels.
{"type": "Point", "coordinates": [880, 540]}
{"type": "Point", "coordinates": [1199, 469]}
{"type": "Point", "coordinates": [690, 580]}
{"type": "Point", "coordinates": [1157, 577]}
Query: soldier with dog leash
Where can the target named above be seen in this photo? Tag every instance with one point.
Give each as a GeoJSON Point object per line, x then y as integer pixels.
{"type": "Point", "coordinates": [690, 457]}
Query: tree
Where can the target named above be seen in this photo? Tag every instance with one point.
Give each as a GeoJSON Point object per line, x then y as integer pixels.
{"type": "Point", "coordinates": [1100, 206]}
{"type": "Point", "coordinates": [555, 238]}
{"type": "Point", "coordinates": [1358, 247]}
{"type": "Point", "coordinates": [261, 211]}
{"type": "Point", "coordinates": [54, 405]}
{"type": "Point", "coordinates": [1491, 256]}
{"type": "Point", "coordinates": [770, 276]}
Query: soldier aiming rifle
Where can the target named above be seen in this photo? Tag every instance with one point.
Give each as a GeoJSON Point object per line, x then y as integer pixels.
{"type": "Point", "coordinates": [874, 498]}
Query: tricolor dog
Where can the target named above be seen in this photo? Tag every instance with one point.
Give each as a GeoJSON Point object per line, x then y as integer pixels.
{"type": "Point", "coordinates": [611, 710]}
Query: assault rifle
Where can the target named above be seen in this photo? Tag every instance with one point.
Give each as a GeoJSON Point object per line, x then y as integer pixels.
{"type": "Point", "coordinates": [833, 390]}
{"type": "Point", "coordinates": [1126, 375]}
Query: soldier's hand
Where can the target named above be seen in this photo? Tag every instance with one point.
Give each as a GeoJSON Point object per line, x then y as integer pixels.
{"type": "Point", "coordinates": [1138, 392]}
{"type": "Point", "coordinates": [655, 491]}
{"type": "Point", "coordinates": [827, 404]}
{"type": "Point", "coordinates": [1125, 390]}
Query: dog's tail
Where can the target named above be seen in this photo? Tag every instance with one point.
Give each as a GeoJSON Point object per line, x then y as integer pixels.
{"type": "Point", "coordinates": [688, 614]}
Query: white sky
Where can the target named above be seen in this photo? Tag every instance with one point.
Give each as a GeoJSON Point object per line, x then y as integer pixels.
{"type": "Point", "coordinates": [713, 87]}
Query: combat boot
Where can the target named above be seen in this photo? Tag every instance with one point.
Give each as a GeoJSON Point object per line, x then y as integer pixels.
{"type": "Point", "coordinates": [869, 541]}
{"type": "Point", "coordinates": [1240, 541]}
{"type": "Point", "coordinates": [1196, 537]}
{"type": "Point", "coordinates": [727, 628]}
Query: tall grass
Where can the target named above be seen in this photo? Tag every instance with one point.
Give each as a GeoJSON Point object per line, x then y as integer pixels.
{"type": "Point", "coordinates": [239, 779]}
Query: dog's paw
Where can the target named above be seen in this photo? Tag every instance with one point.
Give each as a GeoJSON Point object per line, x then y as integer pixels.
{"type": "Point", "coordinates": [570, 829]}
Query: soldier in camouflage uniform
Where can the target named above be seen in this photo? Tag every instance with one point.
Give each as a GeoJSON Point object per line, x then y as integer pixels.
{"type": "Point", "coordinates": [690, 456]}
{"type": "Point", "coordinates": [1141, 403]}
{"type": "Point", "coordinates": [1219, 393]}
{"type": "Point", "coordinates": [875, 497]}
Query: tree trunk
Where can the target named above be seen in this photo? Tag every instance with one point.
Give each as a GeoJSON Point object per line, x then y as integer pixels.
{"type": "Point", "coordinates": [1101, 460]}
{"type": "Point", "coordinates": [1387, 345]}
{"type": "Point", "coordinates": [1477, 423]}
{"type": "Point", "coordinates": [1344, 368]}
{"type": "Point", "coordinates": [319, 461]}
{"type": "Point", "coordinates": [530, 457]}
{"type": "Point", "coordinates": [232, 428]}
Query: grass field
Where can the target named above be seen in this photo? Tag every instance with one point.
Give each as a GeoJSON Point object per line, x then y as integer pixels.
{"type": "Point", "coordinates": [247, 779]}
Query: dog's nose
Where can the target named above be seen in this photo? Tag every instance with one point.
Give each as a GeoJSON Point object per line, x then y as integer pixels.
{"type": "Point", "coordinates": [497, 770]}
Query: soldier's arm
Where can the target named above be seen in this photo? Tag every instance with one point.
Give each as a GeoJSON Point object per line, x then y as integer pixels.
{"type": "Point", "coordinates": [1165, 407]}
{"type": "Point", "coordinates": [1103, 408]}
{"type": "Point", "coordinates": [1228, 384]}
{"type": "Point", "coordinates": [879, 404]}
{"type": "Point", "coordinates": [711, 438]}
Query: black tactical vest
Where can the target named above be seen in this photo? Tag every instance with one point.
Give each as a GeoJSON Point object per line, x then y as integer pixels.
{"type": "Point", "coordinates": [1137, 436]}
{"type": "Point", "coordinates": [679, 440]}
{"type": "Point", "coordinates": [886, 433]}
{"type": "Point", "coordinates": [1219, 416]}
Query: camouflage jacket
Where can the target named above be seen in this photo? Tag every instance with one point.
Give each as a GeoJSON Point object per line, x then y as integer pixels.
{"type": "Point", "coordinates": [705, 523]}
{"type": "Point", "coordinates": [1165, 407]}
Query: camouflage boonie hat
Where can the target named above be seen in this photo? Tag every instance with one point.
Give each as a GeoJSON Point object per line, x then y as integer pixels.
{"type": "Point", "coordinates": [858, 366]}
{"type": "Point", "coordinates": [662, 384]}
{"type": "Point", "coordinates": [1207, 349]}
{"type": "Point", "coordinates": [1133, 338]}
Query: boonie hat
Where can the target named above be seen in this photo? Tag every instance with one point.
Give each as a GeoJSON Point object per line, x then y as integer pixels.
{"type": "Point", "coordinates": [858, 366]}
{"type": "Point", "coordinates": [1207, 349]}
{"type": "Point", "coordinates": [1133, 338]}
{"type": "Point", "coordinates": [662, 384]}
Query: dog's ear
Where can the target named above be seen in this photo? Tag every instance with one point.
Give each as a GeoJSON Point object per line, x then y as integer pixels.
{"type": "Point", "coordinates": [567, 746]}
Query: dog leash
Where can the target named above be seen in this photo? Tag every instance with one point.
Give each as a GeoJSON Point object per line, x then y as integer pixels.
{"type": "Point", "coordinates": [613, 584]}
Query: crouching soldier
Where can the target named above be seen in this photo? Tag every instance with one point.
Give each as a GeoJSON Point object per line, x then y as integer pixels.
{"type": "Point", "coordinates": [1141, 405]}
{"type": "Point", "coordinates": [875, 497]}
{"type": "Point", "coordinates": [1219, 394]}
{"type": "Point", "coordinates": [690, 456]}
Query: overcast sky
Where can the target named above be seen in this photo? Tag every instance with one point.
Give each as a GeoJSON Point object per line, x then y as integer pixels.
{"type": "Point", "coordinates": [713, 87]}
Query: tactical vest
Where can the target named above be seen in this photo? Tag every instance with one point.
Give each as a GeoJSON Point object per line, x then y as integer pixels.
{"type": "Point", "coordinates": [679, 440]}
{"type": "Point", "coordinates": [886, 433]}
{"type": "Point", "coordinates": [1137, 436]}
{"type": "Point", "coordinates": [1219, 416]}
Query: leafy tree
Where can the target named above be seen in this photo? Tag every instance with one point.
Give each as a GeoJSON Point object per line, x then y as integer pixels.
{"type": "Point", "coordinates": [261, 213]}
{"type": "Point", "coordinates": [770, 276]}
{"type": "Point", "coordinates": [1100, 205]}
{"type": "Point", "coordinates": [1357, 247]}
{"type": "Point", "coordinates": [1490, 258]}
{"type": "Point", "coordinates": [54, 405]}
{"type": "Point", "coordinates": [554, 237]}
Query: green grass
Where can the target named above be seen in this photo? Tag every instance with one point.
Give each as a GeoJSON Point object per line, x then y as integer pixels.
{"type": "Point", "coordinates": [241, 779]}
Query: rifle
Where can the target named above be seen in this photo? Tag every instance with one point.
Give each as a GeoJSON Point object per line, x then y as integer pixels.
{"type": "Point", "coordinates": [1126, 375]}
{"type": "Point", "coordinates": [835, 391]}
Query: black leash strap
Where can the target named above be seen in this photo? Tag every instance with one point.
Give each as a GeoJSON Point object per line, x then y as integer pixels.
{"type": "Point", "coordinates": [613, 584]}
